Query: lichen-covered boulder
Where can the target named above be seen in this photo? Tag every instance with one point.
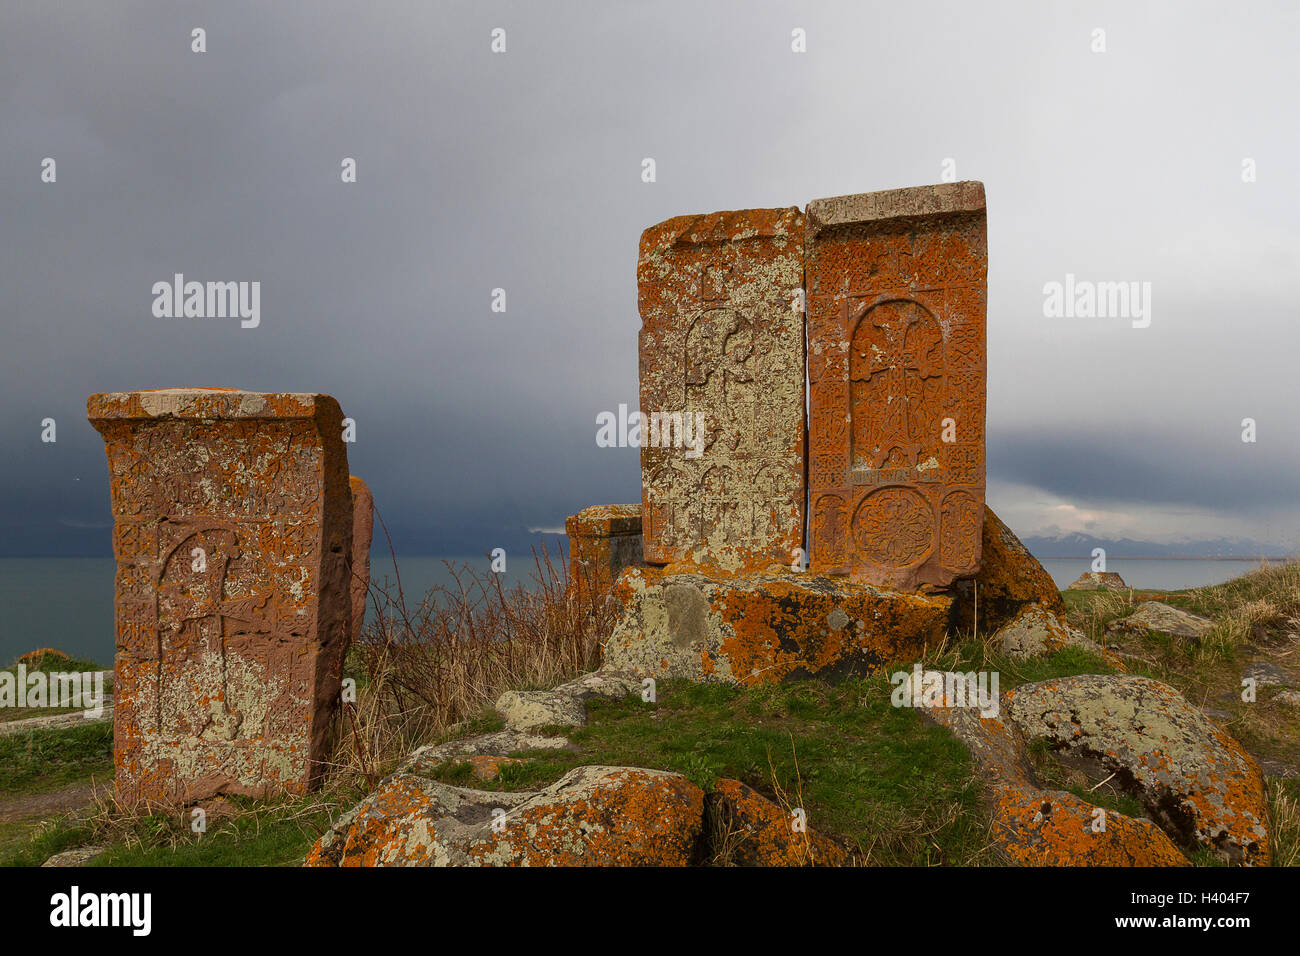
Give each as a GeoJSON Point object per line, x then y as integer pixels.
{"type": "Point", "coordinates": [593, 816]}
{"type": "Point", "coordinates": [1164, 619]}
{"type": "Point", "coordinates": [1099, 581]}
{"type": "Point", "coordinates": [1032, 826]}
{"type": "Point", "coordinates": [1195, 780]}
{"type": "Point", "coordinates": [751, 830]}
{"type": "Point", "coordinates": [1039, 631]}
{"type": "Point", "coordinates": [1010, 580]}
{"type": "Point", "coordinates": [766, 628]}
{"type": "Point", "coordinates": [1055, 828]}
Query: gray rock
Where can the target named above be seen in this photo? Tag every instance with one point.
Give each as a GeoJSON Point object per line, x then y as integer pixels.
{"type": "Point", "coordinates": [79, 856]}
{"type": "Point", "coordinates": [1155, 616]}
{"type": "Point", "coordinates": [1039, 631]}
{"type": "Point", "coordinates": [1270, 675]}
{"type": "Point", "coordinates": [565, 704]}
{"type": "Point", "coordinates": [502, 743]}
{"type": "Point", "coordinates": [1098, 581]}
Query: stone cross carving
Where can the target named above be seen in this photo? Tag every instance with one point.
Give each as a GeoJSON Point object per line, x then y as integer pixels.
{"type": "Point", "coordinates": [721, 352]}
{"type": "Point", "coordinates": [896, 290]}
{"type": "Point", "coordinates": [232, 534]}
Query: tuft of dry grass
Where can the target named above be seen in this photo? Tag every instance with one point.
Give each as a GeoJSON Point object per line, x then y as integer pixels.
{"type": "Point", "coordinates": [1284, 806]}
{"type": "Point", "coordinates": [425, 668]}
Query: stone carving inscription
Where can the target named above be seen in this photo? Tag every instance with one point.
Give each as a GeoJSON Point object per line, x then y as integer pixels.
{"type": "Point", "coordinates": [232, 534]}
{"type": "Point", "coordinates": [722, 367]}
{"type": "Point", "coordinates": [896, 287]}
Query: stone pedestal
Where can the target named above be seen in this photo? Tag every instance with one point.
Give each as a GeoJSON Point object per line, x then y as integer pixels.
{"type": "Point", "coordinates": [233, 539]}
{"type": "Point", "coordinates": [603, 540]}
{"type": "Point", "coordinates": [766, 628]}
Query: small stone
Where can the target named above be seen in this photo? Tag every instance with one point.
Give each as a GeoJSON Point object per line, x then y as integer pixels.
{"type": "Point", "coordinates": [759, 833]}
{"type": "Point", "coordinates": [76, 857]}
{"type": "Point", "coordinates": [1290, 698]}
{"type": "Point", "coordinates": [1266, 674]}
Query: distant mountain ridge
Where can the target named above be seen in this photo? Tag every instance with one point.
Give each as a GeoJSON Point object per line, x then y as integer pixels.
{"type": "Point", "coordinates": [1078, 545]}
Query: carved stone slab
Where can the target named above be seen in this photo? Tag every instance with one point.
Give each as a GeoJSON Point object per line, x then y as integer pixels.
{"type": "Point", "coordinates": [232, 534]}
{"type": "Point", "coordinates": [722, 353]}
{"type": "Point", "coordinates": [896, 285]}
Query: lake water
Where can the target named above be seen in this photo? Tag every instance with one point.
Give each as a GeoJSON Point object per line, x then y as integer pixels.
{"type": "Point", "coordinates": [67, 603]}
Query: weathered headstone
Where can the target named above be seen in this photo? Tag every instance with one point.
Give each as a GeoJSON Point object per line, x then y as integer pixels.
{"type": "Point", "coordinates": [232, 533]}
{"type": "Point", "coordinates": [363, 529]}
{"type": "Point", "coordinates": [603, 540]}
{"type": "Point", "coordinates": [722, 381]}
{"type": "Point", "coordinates": [896, 289]}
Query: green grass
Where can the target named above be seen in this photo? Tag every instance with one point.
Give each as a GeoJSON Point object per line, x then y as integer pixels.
{"type": "Point", "coordinates": [880, 779]}
{"type": "Point", "coordinates": [40, 761]}
{"type": "Point", "coordinates": [256, 834]}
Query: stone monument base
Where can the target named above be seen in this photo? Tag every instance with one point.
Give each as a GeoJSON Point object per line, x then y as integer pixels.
{"type": "Point", "coordinates": [766, 628]}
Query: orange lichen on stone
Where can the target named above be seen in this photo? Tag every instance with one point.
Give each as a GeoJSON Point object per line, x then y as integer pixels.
{"type": "Point", "coordinates": [1010, 580]}
{"type": "Point", "coordinates": [593, 816]}
{"type": "Point", "coordinates": [232, 534]}
{"type": "Point", "coordinates": [1195, 780]}
{"type": "Point", "coordinates": [603, 540]}
{"type": "Point", "coordinates": [765, 628]}
{"type": "Point", "coordinates": [896, 289]}
{"type": "Point", "coordinates": [1036, 827]}
{"type": "Point", "coordinates": [754, 831]}
{"type": "Point", "coordinates": [602, 816]}
{"type": "Point", "coordinates": [722, 383]}
{"type": "Point", "coordinates": [1054, 828]}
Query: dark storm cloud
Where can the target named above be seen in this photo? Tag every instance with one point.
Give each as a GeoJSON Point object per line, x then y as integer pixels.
{"type": "Point", "coordinates": [521, 171]}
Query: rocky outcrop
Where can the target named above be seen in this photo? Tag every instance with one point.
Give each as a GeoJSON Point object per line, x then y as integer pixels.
{"type": "Point", "coordinates": [1098, 581]}
{"type": "Point", "coordinates": [766, 628]}
{"type": "Point", "coordinates": [1164, 619]}
{"type": "Point", "coordinates": [1009, 581]}
{"type": "Point", "coordinates": [1196, 782]}
{"type": "Point", "coordinates": [594, 816]}
{"type": "Point", "coordinates": [1032, 826]}
{"type": "Point", "coordinates": [1197, 785]}
{"type": "Point", "coordinates": [750, 830]}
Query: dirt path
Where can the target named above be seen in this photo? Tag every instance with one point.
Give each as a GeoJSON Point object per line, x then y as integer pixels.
{"type": "Point", "coordinates": [14, 809]}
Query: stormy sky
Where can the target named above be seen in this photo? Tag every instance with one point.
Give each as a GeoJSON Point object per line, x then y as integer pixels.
{"type": "Point", "coordinates": [522, 171]}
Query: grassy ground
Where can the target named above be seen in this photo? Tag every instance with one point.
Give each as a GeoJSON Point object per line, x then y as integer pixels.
{"type": "Point", "coordinates": [45, 760]}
